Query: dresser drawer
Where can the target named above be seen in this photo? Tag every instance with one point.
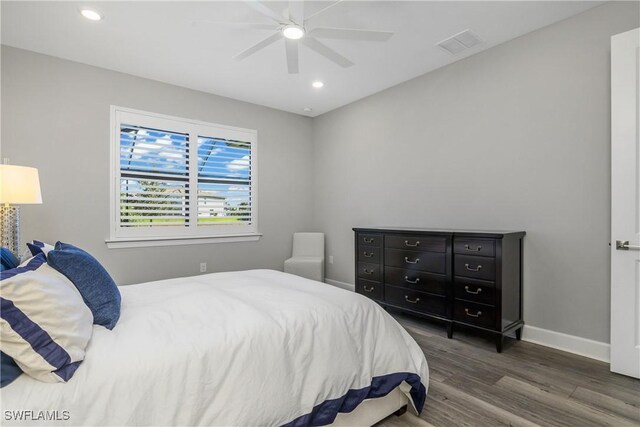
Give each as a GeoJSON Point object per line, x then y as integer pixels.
{"type": "Point", "coordinates": [417, 243]}
{"type": "Point", "coordinates": [417, 280]}
{"type": "Point", "coordinates": [475, 267]}
{"type": "Point", "coordinates": [369, 271]}
{"type": "Point", "coordinates": [411, 260]}
{"type": "Point", "coordinates": [474, 247]}
{"type": "Point", "coordinates": [369, 288]}
{"type": "Point", "coordinates": [369, 254]}
{"type": "Point", "coordinates": [475, 314]}
{"type": "Point", "coordinates": [475, 290]}
{"type": "Point", "coordinates": [370, 240]}
{"type": "Point", "coordinates": [416, 301]}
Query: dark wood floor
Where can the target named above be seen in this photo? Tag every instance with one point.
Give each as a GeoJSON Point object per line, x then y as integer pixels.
{"type": "Point", "coordinates": [526, 385]}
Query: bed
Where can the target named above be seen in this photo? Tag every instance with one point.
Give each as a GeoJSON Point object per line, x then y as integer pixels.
{"type": "Point", "coordinates": [256, 347]}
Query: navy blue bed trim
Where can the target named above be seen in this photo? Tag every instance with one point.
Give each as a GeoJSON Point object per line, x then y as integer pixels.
{"type": "Point", "coordinates": [326, 412]}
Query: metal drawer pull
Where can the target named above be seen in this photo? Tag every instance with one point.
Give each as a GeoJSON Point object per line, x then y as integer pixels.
{"type": "Point", "coordinates": [466, 288]}
{"type": "Point", "coordinates": [411, 262]}
{"type": "Point", "coordinates": [370, 240]}
{"type": "Point", "coordinates": [414, 301]}
{"type": "Point", "coordinates": [368, 290]}
{"type": "Point", "coordinates": [477, 249]}
{"type": "Point", "coordinates": [406, 242]}
{"type": "Point", "coordinates": [368, 255]}
{"type": "Point", "coordinates": [478, 314]}
{"type": "Point", "coordinates": [478, 268]}
{"type": "Point", "coordinates": [367, 271]}
{"type": "Point", "coordinates": [406, 279]}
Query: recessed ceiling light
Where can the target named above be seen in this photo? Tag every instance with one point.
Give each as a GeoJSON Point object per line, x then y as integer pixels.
{"type": "Point", "coordinates": [317, 84]}
{"type": "Point", "coordinates": [293, 31]}
{"type": "Point", "coordinates": [307, 109]}
{"type": "Point", "coordinates": [92, 15]}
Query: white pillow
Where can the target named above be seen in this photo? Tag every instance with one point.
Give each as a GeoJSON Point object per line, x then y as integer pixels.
{"type": "Point", "coordinates": [45, 325]}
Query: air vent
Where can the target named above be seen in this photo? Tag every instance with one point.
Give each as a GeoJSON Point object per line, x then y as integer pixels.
{"type": "Point", "coordinates": [460, 42]}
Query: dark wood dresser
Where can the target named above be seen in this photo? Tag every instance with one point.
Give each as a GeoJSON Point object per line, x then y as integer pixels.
{"type": "Point", "coordinates": [470, 279]}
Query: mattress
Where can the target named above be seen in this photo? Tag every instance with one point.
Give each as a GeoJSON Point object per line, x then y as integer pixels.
{"type": "Point", "coordinates": [256, 347]}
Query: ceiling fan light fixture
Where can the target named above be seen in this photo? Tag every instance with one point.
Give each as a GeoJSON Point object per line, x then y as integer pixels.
{"type": "Point", "coordinates": [91, 15]}
{"type": "Point", "coordinates": [317, 84]}
{"type": "Point", "coordinates": [293, 31]}
{"type": "Point", "coordinates": [291, 28]}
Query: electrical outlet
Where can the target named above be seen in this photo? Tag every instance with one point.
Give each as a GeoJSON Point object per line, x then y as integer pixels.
{"type": "Point", "coordinates": [203, 267]}
{"type": "Point", "coordinates": [330, 259]}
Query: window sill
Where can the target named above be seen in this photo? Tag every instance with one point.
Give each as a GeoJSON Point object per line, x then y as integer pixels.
{"type": "Point", "coordinates": [138, 242]}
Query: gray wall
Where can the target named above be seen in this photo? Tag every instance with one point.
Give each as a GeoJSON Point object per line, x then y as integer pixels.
{"type": "Point", "coordinates": [55, 116]}
{"type": "Point", "coordinates": [516, 137]}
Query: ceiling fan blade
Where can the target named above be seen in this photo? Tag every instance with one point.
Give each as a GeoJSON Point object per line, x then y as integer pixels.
{"type": "Point", "coordinates": [296, 11]}
{"type": "Point", "coordinates": [326, 51]}
{"type": "Point", "coordinates": [260, 45]}
{"type": "Point", "coordinates": [351, 34]}
{"type": "Point", "coordinates": [244, 25]}
{"type": "Point", "coordinates": [322, 10]}
{"type": "Point", "coordinates": [291, 48]}
{"type": "Point", "coordinates": [266, 11]}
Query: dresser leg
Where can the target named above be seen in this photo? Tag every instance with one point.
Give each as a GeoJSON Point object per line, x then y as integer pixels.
{"type": "Point", "coordinates": [519, 333]}
{"type": "Point", "coordinates": [450, 330]}
{"type": "Point", "coordinates": [499, 342]}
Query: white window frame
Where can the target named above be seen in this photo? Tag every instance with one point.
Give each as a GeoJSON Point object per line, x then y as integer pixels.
{"type": "Point", "coordinates": [122, 237]}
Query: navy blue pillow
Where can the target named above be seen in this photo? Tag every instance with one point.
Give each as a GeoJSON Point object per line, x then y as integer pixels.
{"type": "Point", "coordinates": [7, 259]}
{"type": "Point", "coordinates": [97, 288]}
{"type": "Point", "coordinates": [37, 247]}
{"type": "Point", "coordinates": [10, 371]}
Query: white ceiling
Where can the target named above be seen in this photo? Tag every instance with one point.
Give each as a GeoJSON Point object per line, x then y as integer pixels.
{"type": "Point", "coordinates": [180, 43]}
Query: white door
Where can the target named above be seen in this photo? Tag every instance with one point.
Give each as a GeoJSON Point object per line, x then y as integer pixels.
{"type": "Point", "coordinates": [625, 203]}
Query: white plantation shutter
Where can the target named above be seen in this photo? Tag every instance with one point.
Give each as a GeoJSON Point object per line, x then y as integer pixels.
{"type": "Point", "coordinates": [154, 177]}
{"type": "Point", "coordinates": [224, 181]}
{"type": "Point", "coordinates": [179, 178]}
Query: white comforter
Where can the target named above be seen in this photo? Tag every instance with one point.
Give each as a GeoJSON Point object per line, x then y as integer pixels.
{"type": "Point", "coordinates": [256, 347]}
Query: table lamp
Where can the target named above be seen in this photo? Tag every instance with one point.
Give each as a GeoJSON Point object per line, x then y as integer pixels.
{"type": "Point", "coordinates": [19, 185]}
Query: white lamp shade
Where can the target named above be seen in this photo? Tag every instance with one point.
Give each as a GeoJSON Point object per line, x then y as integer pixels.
{"type": "Point", "coordinates": [19, 185]}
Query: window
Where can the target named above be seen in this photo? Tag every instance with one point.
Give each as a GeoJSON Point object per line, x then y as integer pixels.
{"type": "Point", "coordinates": [180, 179]}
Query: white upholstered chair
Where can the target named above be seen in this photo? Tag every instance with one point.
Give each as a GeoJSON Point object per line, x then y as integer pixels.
{"type": "Point", "coordinates": [307, 259]}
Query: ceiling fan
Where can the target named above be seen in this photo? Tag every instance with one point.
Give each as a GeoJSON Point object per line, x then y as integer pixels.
{"type": "Point", "coordinates": [295, 29]}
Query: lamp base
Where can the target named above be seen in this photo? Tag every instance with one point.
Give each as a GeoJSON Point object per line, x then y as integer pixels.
{"type": "Point", "coordinates": [10, 228]}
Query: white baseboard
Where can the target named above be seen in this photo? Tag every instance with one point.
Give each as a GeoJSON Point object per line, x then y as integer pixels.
{"type": "Point", "coordinates": [343, 285]}
{"type": "Point", "coordinates": [569, 343]}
